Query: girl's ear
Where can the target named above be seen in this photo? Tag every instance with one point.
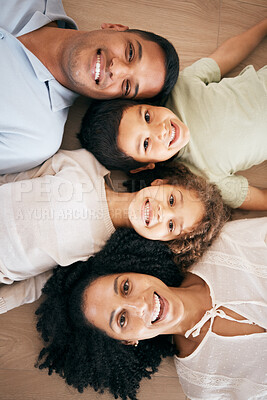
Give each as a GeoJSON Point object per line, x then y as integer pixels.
{"type": "Point", "coordinates": [148, 166]}
{"type": "Point", "coordinates": [158, 182]}
{"type": "Point", "coordinates": [114, 27]}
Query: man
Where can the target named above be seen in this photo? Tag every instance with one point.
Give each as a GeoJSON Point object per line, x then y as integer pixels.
{"type": "Point", "coordinates": [45, 62]}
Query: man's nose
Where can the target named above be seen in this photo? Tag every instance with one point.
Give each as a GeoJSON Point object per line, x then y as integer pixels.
{"type": "Point", "coordinates": [118, 68]}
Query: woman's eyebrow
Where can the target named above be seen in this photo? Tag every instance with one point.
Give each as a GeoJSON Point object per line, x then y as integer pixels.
{"type": "Point", "coordinates": [116, 291]}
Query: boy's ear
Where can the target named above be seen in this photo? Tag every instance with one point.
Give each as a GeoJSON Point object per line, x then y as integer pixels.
{"type": "Point", "coordinates": [148, 166]}
{"type": "Point", "coordinates": [114, 27]}
{"type": "Point", "coordinates": [158, 182]}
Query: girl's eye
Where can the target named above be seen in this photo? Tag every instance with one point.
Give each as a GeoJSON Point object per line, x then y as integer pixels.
{"type": "Point", "coordinates": [147, 117]}
{"type": "Point", "coordinates": [122, 320]}
{"type": "Point", "coordinates": [171, 200]}
{"type": "Point", "coordinates": [131, 52]}
{"type": "Point", "coordinates": [171, 226]}
{"type": "Point", "coordinates": [145, 144]}
{"type": "Point", "coordinates": [127, 88]}
{"type": "Point", "coordinates": [126, 287]}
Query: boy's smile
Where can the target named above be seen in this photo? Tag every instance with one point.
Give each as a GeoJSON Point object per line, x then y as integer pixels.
{"type": "Point", "coordinates": [151, 134]}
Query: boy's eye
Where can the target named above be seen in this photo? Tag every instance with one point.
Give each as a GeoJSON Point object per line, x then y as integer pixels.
{"type": "Point", "coordinates": [122, 320]}
{"type": "Point", "coordinates": [171, 200]}
{"type": "Point", "coordinates": [145, 144]}
{"type": "Point", "coordinates": [171, 226]}
{"type": "Point", "coordinates": [147, 117]}
{"type": "Point", "coordinates": [127, 87]}
{"type": "Point", "coordinates": [131, 52]}
{"type": "Point", "coordinates": [125, 287]}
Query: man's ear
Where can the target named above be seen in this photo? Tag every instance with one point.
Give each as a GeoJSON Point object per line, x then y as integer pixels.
{"type": "Point", "coordinates": [114, 27]}
{"type": "Point", "coordinates": [148, 166]}
{"type": "Point", "coordinates": [130, 342]}
{"type": "Point", "coordinates": [158, 182]}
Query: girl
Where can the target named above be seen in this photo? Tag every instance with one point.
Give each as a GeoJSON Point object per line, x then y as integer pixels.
{"type": "Point", "coordinates": [113, 321]}
{"type": "Point", "coordinates": [65, 211]}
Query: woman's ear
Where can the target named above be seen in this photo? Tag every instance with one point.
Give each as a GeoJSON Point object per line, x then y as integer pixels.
{"type": "Point", "coordinates": [114, 27]}
{"type": "Point", "coordinates": [130, 342]}
{"type": "Point", "coordinates": [148, 166]}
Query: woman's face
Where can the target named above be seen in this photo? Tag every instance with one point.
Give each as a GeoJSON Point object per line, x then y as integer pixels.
{"type": "Point", "coordinates": [163, 212]}
{"type": "Point", "coordinates": [131, 306]}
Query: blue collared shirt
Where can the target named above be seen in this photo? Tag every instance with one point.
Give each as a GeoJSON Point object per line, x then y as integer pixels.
{"type": "Point", "coordinates": [33, 105]}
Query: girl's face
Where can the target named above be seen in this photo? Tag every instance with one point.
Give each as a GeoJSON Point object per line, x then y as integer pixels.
{"type": "Point", "coordinates": [131, 306]}
{"type": "Point", "coordinates": [151, 134]}
{"type": "Point", "coordinates": [163, 212]}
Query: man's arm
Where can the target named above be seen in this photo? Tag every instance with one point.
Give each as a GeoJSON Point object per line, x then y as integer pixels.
{"type": "Point", "coordinates": [256, 199]}
{"type": "Point", "coordinates": [236, 49]}
{"type": "Point", "coordinates": [22, 292]}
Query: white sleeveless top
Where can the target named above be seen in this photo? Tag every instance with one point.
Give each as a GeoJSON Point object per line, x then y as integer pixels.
{"type": "Point", "coordinates": [235, 269]}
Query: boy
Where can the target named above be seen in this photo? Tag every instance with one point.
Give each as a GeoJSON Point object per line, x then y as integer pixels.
{"type": "Point", "coordinates": [227, 120]}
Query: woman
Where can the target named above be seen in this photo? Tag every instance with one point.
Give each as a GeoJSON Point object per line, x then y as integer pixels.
{"type": "Point", "coordinates": [217, 314]}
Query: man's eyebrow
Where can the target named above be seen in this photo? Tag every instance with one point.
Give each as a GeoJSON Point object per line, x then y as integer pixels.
{"type": "Point", "coordinates": [116, 291]}
{"type": "Point", "coordinates": [139, 56]}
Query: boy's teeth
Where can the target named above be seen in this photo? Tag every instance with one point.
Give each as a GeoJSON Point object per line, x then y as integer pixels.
{"type": "Point", "coordinates": [156, 309]}
{"type": "Point", "coordinates": [97, 67]}
{"type": "Point", "coordinates": [147, 209]}
{"type": "Point", "coordinates": [172, 135]}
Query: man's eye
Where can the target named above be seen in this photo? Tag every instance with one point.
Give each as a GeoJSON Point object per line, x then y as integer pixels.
{"type": "Point", "coordinates": [122, 320]}
{"type": "Point", "coordinates": [127, 88]}
{"type": "Point", "coordinates": [171, 226]}
{"type": "Point", "coordinates": [131, 52]}
{"type": "Point", "coordinates": [126, 287]}
{"type": "Point", "coordinates": [171, 200]}
{"type": "Point", "coordinates": [145, 144]}
{"type": "Point", "coordinates": [147, 117]}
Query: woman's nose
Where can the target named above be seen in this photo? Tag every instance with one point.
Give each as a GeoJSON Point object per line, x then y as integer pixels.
{"type": "Point", "coordinates": [138, 307]}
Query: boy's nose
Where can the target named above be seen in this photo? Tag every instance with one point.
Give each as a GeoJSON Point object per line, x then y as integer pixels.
{"type": "Point", "coordinates": [118, 68]}
{"type": "Point", "coordinates": [161, 132]}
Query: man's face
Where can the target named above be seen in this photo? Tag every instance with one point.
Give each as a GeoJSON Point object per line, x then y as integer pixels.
{"type": "Point", "coordinates": [108, 64]}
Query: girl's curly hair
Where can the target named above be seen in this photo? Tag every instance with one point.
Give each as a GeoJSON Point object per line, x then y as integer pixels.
{"type": "Point", "coordinates": [84, 355]}
{"type": "Point", "coordinates": [188, 247]}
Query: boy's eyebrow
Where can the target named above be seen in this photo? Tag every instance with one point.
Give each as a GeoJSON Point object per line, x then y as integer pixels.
{"type": "Point", "coordinates": [139, 56]}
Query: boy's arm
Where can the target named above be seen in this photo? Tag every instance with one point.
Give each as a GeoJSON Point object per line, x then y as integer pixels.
{"type": "Point", "coordinates": [234, 50]}
{"type": "Point", "coordinates": [256, 199]}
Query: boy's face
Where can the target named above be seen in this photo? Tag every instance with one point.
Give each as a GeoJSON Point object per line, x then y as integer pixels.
{"type": "Point", "coordinates": [164, 212]}
{"type": "Point", "coordinates": [151, 134]}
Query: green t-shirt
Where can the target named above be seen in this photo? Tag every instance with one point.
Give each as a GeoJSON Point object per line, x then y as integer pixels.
{"type": "Point", "coordinates": [227, 120]}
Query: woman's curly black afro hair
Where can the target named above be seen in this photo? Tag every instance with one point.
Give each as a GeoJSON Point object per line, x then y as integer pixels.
{"type": "Point", "coordinates": [80, 353]}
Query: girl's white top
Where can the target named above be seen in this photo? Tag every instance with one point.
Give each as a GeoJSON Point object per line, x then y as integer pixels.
{"type": "Point", "coordinates": [235, 269]}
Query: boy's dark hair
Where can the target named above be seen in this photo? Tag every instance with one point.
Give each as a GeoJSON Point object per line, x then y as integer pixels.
{"type": "Point", "coordinates": [99, 133]}
{"type": "Point", "coordinates": [84, 355]}
{"type": "Point", "coordinates": [171, 63]}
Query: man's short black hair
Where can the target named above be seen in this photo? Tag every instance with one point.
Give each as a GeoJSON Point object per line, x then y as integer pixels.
{"type": "Point", "coordinates": [171, 63]}
{"type": "Point", "coordinates": [99, 133]}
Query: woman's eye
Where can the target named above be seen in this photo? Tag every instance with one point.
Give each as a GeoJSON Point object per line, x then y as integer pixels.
{"type": "Point", "coordinates": [145, 144]}
{"type": "Point", "coordinates": [131, 52]}
{"type": "Point", "coordinates": [147, 117]}
{"type": "Point", "coordinates": [126, 287]}
{"type": "Point", "coordinates": [127, 88]}
{"type": "Point", "coordinates": [171, 200]}
{"type": "Point", "coordinates": [122, 320]}
{"type": "Point", "coordinates": [171, 227]}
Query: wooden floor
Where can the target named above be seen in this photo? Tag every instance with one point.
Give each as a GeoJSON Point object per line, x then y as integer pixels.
{"type": "Point", "coordinates": [196, 28]}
